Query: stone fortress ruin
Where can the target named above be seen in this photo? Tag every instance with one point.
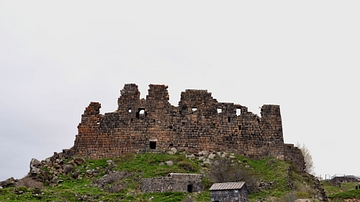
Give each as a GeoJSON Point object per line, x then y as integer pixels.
{"type": "Point", "coordinates": [198, 123]}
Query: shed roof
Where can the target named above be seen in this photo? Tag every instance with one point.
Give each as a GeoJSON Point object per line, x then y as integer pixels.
{"type": "Point", "coordinates": [227, 186]}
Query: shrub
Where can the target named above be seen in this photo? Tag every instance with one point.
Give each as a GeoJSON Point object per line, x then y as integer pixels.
{"type": "Point", "coordinates": [290, 197]}
{"type": "Point", "coordinates": [187, 166]}
{"type": "Point", "coordinates": [223, 170]}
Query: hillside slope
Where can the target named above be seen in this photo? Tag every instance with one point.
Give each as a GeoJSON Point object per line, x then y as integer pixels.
{"type": "Point", "coordinates": [119, 179]}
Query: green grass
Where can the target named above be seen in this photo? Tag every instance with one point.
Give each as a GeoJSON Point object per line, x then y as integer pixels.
{"type": "Point", "coordinates": [148, 165]}
{"type": "Point", "coordinates": [345, 191]}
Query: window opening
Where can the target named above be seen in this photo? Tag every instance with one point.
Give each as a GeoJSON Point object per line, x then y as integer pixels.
{"type": "Point", "coordinates": [190, 188]}
{"type": "Point", "coordinates": [219, 111]}
{"type": "Point", "coordinates": [229, 119]}
{"type": "Point", "coordinates": [140, 112]}
{"type": "Point", "coordinates": [238, 111]}
{"type": "Point", "coordinates": [129, 110]}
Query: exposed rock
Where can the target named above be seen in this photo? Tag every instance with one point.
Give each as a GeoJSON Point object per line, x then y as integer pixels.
{"type": "Point", "coordinates": [75, 175]}
{"type": "Point", "coordinates": [169, 163]}
{"type": "Point", "coordinates": [110, 178]}
{"type": "Point", "coordinates": [173, 149]}
{"type": "Point", "coordinates": [79, 161]}
{"type": "Point", "coordinates": [35, 166]}
{"type": "Point", "coordinates": [203, 153]}
{"type": "Point", "coordinates": [10, 182]}
{"type": "Point", "coordinates": [68, 169]}
{"type": "Point", "coordinates": [110, 162]}
{"type": "Point", "coordinates": [211, 156]}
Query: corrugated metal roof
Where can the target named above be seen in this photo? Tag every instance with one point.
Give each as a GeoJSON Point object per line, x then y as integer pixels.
{"type": "Point", "coordinates": [227, 186]}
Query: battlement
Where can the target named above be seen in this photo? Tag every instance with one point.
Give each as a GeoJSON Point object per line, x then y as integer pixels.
{"type": "Point", "coordinates": [198, 123]}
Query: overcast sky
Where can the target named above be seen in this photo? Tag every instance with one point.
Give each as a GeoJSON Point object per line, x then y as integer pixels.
{"type": "Point", "coordinates": [58, 56]}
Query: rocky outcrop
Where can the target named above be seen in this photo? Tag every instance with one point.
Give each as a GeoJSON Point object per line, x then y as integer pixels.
{"type": "Point", "coordinates": [10, 182]}
{"type": "Point", "coordinates": [48, 170]}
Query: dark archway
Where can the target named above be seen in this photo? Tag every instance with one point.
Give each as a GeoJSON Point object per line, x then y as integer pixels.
{"type": "Point", "coordinates": [152, 144]}
{"type": "Point", "coordinates": [190, 188]}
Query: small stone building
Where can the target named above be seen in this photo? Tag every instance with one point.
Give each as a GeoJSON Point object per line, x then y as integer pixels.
{"type": "Point", "coordinates": [173, 182]}
{"type": "Point", "coordinates": [229, 192]}
{"type": "Point", "coordinates": [336, 180]}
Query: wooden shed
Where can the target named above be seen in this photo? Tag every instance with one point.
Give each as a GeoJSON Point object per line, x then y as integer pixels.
{"type": "Point", "coordinates": [229, 192]}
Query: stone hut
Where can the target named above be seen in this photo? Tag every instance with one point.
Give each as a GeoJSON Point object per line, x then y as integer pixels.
{"type": "Point", "coordinates": [338, 179]}
{"type": "Point", "coordinates": [173, 182]}
{"type": "Point", "coordinates": [229, 192]}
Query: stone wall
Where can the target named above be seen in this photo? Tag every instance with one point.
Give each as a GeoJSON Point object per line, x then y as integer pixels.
{"type": "Point", "coordinates": [294, 155]}
{"type": "Point", "coordinates": [233, 195]}
{"type": "Point", "coordinates": [174, 182]}
{"type": "Point", "coordinates": [199, 123]}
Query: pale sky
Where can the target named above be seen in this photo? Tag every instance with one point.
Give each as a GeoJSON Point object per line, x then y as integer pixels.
{"type": "Point", "coordinates": [58, 56]}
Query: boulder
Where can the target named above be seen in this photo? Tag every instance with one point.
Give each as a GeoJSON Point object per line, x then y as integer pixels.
{"type": "Point", "coordinates": [35, 166]}
{"type": "Point", "coordinates": [174, 150]}
{"type": "Point", "coordinates": [110, 162]}
{"type": "Point", "coordinates": [68, 169]}
{"type": "Point", "coordinates": [79, 161]}
{"type": "Point", "coordinates": [190, 156]}
{"type": "Point", "coordinates": [169, 163]}
{"type": "Point", "coordinates": [211, 156]}
{"type": "Point", "coordinates": [11, 182]}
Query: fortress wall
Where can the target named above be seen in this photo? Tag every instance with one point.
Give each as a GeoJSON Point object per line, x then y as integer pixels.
{"type": "Point", "coordinates": [199, 123]}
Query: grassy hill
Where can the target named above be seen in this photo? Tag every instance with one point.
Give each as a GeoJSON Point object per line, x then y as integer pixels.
{"type": "Point", "coordinates": [345, 192]}
{"type": "Point", "coordinates": [270, 179]}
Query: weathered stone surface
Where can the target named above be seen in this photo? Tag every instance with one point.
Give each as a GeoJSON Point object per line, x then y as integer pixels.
{"type": "Point", "coordinates": [169, 163]}
{"type": "Point", "coordinates": [10, 182]}
{"type": "Point", "coordinates": [35, 166]}
{"type": "Point", "coordinates": [199, 124]}
{"type": "Point", "coordinates": [110, 178]}
{"type": "Point", "coordinates": [177, 182]}
{"type": "Point", "coordinates": [79, 161]}
{"type": "Point", "coordinates": [68, 169]}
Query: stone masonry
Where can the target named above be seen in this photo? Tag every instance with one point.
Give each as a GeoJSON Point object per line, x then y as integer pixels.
{"type": "Point", "coordinates": [174, 182]}
{"type": "Point", "coordinates": [199, 123]}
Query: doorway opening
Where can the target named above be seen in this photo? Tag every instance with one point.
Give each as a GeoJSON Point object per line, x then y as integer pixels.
{"type": "Point", "coordinates": [190, 188]}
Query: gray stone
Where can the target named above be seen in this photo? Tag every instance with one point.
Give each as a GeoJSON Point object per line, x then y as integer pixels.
{"type": "Point", "coordinates": [169, 163]}
{"type": "Point", "coordinates": [79, 161]}
{"type": "Point", "coordinates": [35, 166]}
{"type": "Point", "coordinates": [173, 149]}
{"type": "Point", "coordinates": [207, 161]}
{"type": "Point", "coordinates": [203, 153]}
{"type": "Point", "coordinates": [211, 156]}
{"type": "Point", "coordinates": [68, 169]}
{"type": "Point", "coordinates": [110, 162]}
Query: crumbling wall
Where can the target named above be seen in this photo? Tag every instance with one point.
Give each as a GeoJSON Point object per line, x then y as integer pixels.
{"type": "Point", "coordinates": [294, 155]}
{"type": "Point", "coordinates": [199, 123]}
{"type": "Point", "coordinates": [174, 182]}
